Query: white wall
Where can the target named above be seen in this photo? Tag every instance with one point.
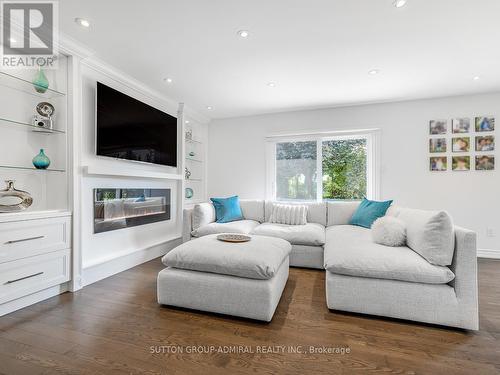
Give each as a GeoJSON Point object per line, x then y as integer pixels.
{"type": "Point", "coordinates": [98, 250]}
{"type": "Point", "coordinates": [237, 165]}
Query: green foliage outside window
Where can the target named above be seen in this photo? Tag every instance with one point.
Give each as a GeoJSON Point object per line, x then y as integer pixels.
{"type": "Point", "coordinates": [344, 169]}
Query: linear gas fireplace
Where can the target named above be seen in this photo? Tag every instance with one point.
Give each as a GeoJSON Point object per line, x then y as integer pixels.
{"type": "Point", "coordinates": [124, 208]}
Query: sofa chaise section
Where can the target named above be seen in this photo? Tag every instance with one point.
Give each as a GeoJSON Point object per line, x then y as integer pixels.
{"type": "Point", "coordinates": [364, 277]}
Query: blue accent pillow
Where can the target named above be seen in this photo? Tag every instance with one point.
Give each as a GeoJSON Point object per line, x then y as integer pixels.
{"type": "Point", "coordinates": [227, 209]}
{"type": "Point", "coordinates": [369, 211]}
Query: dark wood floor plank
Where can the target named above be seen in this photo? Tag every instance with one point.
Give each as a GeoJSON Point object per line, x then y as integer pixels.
{"type": "Point", "coordinates": [110, 326]}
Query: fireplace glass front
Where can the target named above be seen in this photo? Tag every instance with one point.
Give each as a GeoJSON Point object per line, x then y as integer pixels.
{"type": "Point", "coordinates": [123, 208]}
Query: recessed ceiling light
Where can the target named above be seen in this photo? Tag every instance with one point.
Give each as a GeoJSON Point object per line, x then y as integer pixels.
{"type": "Point", "coordinates": [374, 72]}
{"type": "Point", "coordinates": [243, 33]}
{"type": "Point", "coordinates": [271, 84]}
{"type": "Point", "coordinates": [209, 108]}
{"type": "Point", "coordinates": [476, 78]}
{"type": "Point", "coordinates": [399, 3]}
{"type": "Point", "coordinates": [187, 121]}
{"type": "Point", "coordinates": [167, 80]}
{"type": "Point", "coordinates": [82, 22]}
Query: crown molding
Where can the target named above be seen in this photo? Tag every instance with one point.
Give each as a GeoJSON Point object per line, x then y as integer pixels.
{"type": "Point", "coordinates": [89, 58]}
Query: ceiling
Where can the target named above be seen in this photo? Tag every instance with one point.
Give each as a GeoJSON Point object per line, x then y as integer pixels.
{"type": "Point", "coordinates": [318, 52]}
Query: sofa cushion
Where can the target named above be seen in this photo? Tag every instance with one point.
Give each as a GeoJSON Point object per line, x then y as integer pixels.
{"type": "Point", "coordinates": [259, 258]}
{"type": "Point", "coordinates": [316, 211]}
{"type": "Point", "coordinates": [368, 211]}
{"type": "Point", "coordinates": [429, 233]}
{"type": "Point", "coordinates": [309, 234]}
{"type": "Point", "coordinates": [291, 214]}
{"type": "Point", "coordinates": [349, 250]}
{"type": "Point", "coordinates": [203, 214]}
{"type": "Point", "coordinates": [227, 209]}
{"type": "Point", "coordinates": [253, 209]}
{"type": "Point", "coordinates": [240, 226]}
{"type": "Point", "coordinates": [340, 212]}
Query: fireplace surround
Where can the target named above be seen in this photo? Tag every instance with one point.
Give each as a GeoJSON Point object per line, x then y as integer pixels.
{"type": "Point", "coordinates": [118, 208]}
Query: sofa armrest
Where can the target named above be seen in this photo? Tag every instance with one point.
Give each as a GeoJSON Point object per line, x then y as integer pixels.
{"type": "Point", "coordinates": [464, 266]}
{"type": "Point", "coordinates": [187, 224]}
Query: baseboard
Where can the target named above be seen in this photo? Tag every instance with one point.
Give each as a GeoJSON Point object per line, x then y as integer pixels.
{"type": "Point", "coordinates": [488, 253]}
{"type": "Point", "coordinates": [31, 299]}
{"type": "Point", "coordinates": [98, 271]}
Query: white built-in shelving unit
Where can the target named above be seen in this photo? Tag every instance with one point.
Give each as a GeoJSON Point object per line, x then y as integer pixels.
{"type": "Point", "coordinates": [35, 244]}
{"type": "Point", "coordinates": [195, 161]}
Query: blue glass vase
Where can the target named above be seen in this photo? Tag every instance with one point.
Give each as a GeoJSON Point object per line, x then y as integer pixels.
{"type": "Point", "coordinates": [41, 161]}
{"type": "Point", "coordinates": [40, 82]}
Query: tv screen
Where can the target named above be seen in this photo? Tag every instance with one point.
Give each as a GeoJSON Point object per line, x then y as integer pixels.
{"type": "Point", "coordinates": [129, 129]}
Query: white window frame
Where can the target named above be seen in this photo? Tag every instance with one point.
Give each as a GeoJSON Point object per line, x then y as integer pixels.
{"type": "Point", "coordinates": [372, 137]}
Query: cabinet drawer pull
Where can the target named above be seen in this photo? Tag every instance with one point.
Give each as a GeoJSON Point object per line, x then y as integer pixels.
{"type": "Point", "coordinates": [24, 239]}
{"type": "Point", "coordinates": [23, 278]}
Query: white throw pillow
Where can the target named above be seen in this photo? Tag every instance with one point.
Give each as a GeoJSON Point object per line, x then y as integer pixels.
{"type": "Point", "coordinates": [389, 231]}
{"type": "Point", "coordinates": [289, 214]}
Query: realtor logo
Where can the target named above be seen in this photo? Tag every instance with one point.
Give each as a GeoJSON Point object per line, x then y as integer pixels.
{"type": "Point", "coordinates": [29, 34]}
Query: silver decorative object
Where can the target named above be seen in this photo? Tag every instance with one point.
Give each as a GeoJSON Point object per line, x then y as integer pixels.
{"type": "Point", "coordinates": [11, 192]}
{"type": "Point", "coordinates": [189, 134]}
{"type": "Point", "coordinates": [43, 120]}
{"type": "Point", "coordinates": [187, 173]}
{"type": "Point", "coordinates": [45, 109]}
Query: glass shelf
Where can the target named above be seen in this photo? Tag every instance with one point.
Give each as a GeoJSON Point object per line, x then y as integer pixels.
{"type": "Point", "coordinates": [21, 84]}
{"type": "Point", "coordinates": [193, 141]}
{"type": "Point", "coordinates": [194, 179]}
{"type": "Point", "coordinates": [34, 128]}
{"type": "Point", "coordinates": [32, 168]}
{"type": "Point", "coordinates": [196, 160]}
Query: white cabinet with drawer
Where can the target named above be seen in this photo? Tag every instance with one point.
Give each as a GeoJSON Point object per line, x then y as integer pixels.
{"type": "Point", "coordinates": [35, 256]}
{"type": "Point", "coordinates": [21, 239]}
{"type": "Point", "coordinates": [30, 275]}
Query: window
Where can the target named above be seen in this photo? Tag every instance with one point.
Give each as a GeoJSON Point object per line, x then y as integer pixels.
{"type": "Point", "coordinates": [296, 170]}
{"type": "Point", "coordinates": [324, 166]}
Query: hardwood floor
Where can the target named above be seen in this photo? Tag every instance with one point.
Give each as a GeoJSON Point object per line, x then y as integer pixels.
{"type": "Point", "coordinates": [110, 327]}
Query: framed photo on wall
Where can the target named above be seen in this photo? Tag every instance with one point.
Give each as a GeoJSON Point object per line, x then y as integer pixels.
{"type": "Point", "coordinates": [437, 145]}
{"type": "Point", "coordinates": [438, 127]}
{"type": "Point", "coordinates": [460, 125]}
{"type": "Point", "coordinates": [485, 124]}
{"type": "Point", "coordinates": [485, 162]}
{"type": "Point", "coordinates": [485, 143]}
{"type": "Point", "coordinates": [460, 163]}
{"type": "Point", "coordinates": [461, 144]}
{"type": "Point", "coordinates": [438, 164]}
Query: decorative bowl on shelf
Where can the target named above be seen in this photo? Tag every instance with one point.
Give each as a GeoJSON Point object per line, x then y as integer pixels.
{"type": "Point", "coordinates": [189, 193]}
{"type": "Point", "coordinates": [24, 198]}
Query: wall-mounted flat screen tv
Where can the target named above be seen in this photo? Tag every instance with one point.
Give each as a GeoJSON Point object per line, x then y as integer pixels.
{"type": "Point", "coordinates": [127, 128]}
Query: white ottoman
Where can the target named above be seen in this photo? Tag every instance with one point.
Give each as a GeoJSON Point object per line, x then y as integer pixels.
{"type": "Point", "coordinates": [241, 279]}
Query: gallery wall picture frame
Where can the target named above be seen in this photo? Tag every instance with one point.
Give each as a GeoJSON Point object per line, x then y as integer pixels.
{"type": "Point", "coordinates": [437, 145]}
{"type": "Point", "coordinates": [460, 163]}
{"type": "Point", "coordinates": [485, 143]}
{"type": "Point", "coordinates": [484, 124]}
{"type": "Point", "coordinates": [438, 163]}
{"type": "Point", "coordinates": [460, 144]}
{"type": "Point", "coordinates": [485, 162]}
{"type": "Point", "coordinates": [460, 125]}
{"type": "Point", "coordinates": [438, 127]}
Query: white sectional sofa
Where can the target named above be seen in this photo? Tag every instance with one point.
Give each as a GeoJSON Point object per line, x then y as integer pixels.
{"type": "Point", "coordinates": [362, 276]}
